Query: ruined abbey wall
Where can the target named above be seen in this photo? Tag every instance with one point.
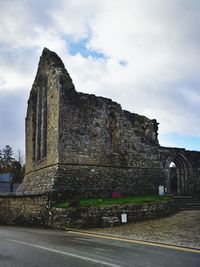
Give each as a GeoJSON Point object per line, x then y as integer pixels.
{"type": "Point", "coordinates": [81, 145]}
{"type": "Point", "coordinates": [95, 130]}
{"type": "Point", "coordinates": [102, 148]}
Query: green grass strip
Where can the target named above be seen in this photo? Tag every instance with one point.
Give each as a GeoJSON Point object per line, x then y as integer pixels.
{"type": "Point", "coordinates": [96, 202]}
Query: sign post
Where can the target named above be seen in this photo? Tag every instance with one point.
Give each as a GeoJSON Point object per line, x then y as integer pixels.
{"type": "Point", "coordinates": [124, 217]}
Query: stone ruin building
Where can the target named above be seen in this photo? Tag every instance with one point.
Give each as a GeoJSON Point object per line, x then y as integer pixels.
{"type": "Point", "coordinates": [82, 145]}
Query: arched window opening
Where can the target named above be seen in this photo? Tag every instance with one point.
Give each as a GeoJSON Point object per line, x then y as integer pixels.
{"type": "Point", "coordinates": [172, 165]}
{"type": "Point", "coordinates": [34, 122]}
{"type": "Point", "coordinates": [173, 178]}
{"type": "Point", "coordinates": [39, 124]}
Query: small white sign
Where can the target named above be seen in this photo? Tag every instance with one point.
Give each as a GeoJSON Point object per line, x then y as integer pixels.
{"type": "Point", "coordinates": [124, 218]}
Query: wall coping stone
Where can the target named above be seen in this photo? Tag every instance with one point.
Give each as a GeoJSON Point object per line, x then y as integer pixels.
{"type": "Point", "coordinates": [22, 194]}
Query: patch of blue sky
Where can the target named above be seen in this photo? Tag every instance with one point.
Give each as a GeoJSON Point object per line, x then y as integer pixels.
{"type": "Point", "coordinates": [81, 47]}
{"type": "Point", "coordinates": [123, 62]}
{"type": "Point", "coordinates": [182, 141]}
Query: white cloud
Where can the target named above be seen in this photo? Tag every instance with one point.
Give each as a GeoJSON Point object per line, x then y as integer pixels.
{"type": "Point", "coordinates": [49, 38]}
{"type": "Point", "coordinates": [75, 18]}
{"type": "Point", "coordinates": [158, 40]}
{"type": "Point", "coordinates": [12, 110]}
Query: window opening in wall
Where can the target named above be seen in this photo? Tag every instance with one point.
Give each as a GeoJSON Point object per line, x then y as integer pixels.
{"type": "Point", "coordinates": [44, 124]}
{"type": "Point", "coordinates": [173, 177]}
{"type": "Point", "coordinates": [38, 126]}
{"type": "Point", "coordinates": [34, 111]}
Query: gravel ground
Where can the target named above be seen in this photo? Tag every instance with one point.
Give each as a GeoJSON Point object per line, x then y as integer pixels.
{"type": "Point", "coordinates": [182, 229]}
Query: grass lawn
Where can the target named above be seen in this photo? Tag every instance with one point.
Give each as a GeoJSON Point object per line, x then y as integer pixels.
{"type": "Point", "coordinates": [94, 202]}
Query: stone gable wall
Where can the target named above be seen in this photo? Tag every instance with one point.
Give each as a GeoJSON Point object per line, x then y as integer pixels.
{"type": "Point", "coordinates": [42, 119]}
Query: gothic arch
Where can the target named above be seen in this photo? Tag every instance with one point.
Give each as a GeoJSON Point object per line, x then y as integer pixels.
{"type": "Point", "coordinates": [177, 179]}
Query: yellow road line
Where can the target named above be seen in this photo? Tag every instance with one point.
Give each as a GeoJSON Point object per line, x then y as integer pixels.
{"type": "Point", "coordinates": [134, 241]}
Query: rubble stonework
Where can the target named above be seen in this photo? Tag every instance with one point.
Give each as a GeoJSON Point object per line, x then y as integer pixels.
{"type": "Point", "coordinates": [82, 145]}
{"type": "Point", "coordinates": [106, 216]}
{"type": "Point", "coordinates": [23, 209]}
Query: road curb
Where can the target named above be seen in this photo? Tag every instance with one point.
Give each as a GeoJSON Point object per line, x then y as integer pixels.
{"type": "Point", "coordinates": [136, 241]}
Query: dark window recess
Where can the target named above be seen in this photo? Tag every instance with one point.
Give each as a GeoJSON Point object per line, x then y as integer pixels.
{"type": "Point", "coordinates": [38, 125]}
{"type": "Point", "coordinates": [44, 123]}
{"type": "Point", "coordinates": [34, 111]}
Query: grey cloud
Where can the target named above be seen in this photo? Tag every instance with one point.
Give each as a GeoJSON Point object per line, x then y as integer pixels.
{"type": "Point", "coordinates": [12, 115]}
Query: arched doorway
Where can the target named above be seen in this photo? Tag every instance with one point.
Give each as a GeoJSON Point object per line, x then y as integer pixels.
{"type": "Point", "coordinates": [177, 172]}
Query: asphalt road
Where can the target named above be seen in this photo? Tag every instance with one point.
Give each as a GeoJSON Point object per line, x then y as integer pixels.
{"type": "Point", "coordinates": [28, 247]}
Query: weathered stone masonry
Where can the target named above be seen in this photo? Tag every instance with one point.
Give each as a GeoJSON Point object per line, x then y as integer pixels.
{"type": "Point", "coordinates": [107, 216]}
{"type": "Point", "coordinates": [80, 144]}
{"type": "Point", "coordinates": [36, 210]}
{"type": "Point", "coordinates": [24, 209]}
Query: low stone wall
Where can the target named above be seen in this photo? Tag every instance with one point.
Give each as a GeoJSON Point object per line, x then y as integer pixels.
{"type": "Point", "coordinates": [88, 217]}
{"type": "Point", "coordinates": [32, 209]}
{"type": "Point", "coordinates": [23, 209]}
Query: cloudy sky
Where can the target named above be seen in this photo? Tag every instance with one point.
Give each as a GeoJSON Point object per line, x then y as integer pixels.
{"type": "Point", "coordinates": [144, 54]}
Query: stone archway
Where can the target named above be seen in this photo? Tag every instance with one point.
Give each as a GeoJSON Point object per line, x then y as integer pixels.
{"type": "Point", "coordinates": [177, 172]}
